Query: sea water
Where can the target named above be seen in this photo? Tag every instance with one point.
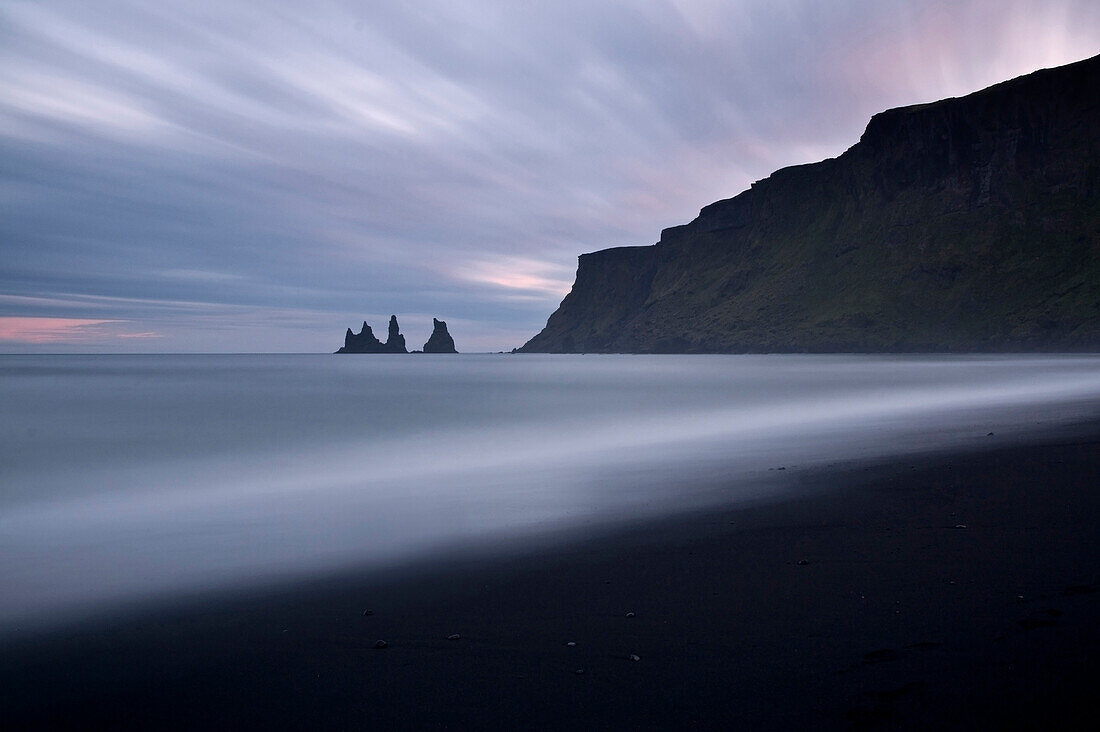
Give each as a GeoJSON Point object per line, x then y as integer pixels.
{"type": "Point", "coordinates": [129, 479]}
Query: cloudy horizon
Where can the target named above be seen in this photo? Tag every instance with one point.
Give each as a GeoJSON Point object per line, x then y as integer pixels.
{"type": "Point", "coordinates": [223, 177]}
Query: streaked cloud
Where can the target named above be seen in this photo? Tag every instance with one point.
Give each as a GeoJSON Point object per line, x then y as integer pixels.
{"type": "Point", "coordinates": [146, 334]}
{"type": "Point", "coordinates": [50, 330]}
{"type": "Point", "coordinates": [520, 276]}
{"type": "Point", "coordinates": [258, 176]}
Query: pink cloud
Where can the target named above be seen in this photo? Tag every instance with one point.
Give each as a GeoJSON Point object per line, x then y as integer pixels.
{"type": "Point", "coordinates": [520, 275]}
{"type": "Point", "coordinates": [946, 50]}
{"type": "Point", "coordinates": [49, 330]}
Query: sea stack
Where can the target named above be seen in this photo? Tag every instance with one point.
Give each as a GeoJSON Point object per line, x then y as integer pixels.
{"type": "Point", "coordinates": [440, 340]}
{"type": "Point", "coordinates": [395, 342]}
{"type": "Point", "coordinates": [361, 342]}
{"type": "Point", "coordinates": [365, 342]}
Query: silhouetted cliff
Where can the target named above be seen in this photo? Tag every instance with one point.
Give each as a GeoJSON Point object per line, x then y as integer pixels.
{"type": "Point", "coordinates": [969, 224]}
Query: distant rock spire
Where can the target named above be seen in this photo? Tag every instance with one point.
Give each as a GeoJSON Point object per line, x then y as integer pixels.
{"type": "Point", "coordinates": [366, 342]}
{"type": "Point", "coordinates": [362, 342]}
{"type": "Point", "coordinates": [395, 342]}
{"type": "Point", "coordinates": [440, 340]}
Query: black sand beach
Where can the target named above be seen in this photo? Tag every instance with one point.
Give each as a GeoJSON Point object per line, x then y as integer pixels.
{"type": "Point", "coordinates": [957, 591]}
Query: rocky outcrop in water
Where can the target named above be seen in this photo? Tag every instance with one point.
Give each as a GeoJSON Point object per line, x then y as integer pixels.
{"type": "Point", "coordinates": [366, 342]}
{"type": "Point", "coordinates": [362, 342]}
{"type": "Point", "coordinates": [969, 224]}
{"type": "Point", "coordinates": [395, 342]}
{"type": "Point", "coordinates": [440, 340]}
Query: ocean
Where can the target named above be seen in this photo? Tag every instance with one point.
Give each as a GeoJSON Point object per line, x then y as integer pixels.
{"type": "Point", "coordinates": [135, 479]}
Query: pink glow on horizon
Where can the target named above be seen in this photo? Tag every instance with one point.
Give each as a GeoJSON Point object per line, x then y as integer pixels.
{"type": "Point", "coordinates": [49, 330]}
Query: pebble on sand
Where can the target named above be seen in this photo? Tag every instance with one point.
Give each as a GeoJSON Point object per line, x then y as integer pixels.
{"type": "Point", "coordinates": [635, 657]}
{"type": "Point", "coordinates": [380, 644]}
{"type": "Point", "coordinates": [453, 636]}
{"type": "Point", "coordinates": [571, 644]}
{"type": "Point", "coordinates": [630, 615]}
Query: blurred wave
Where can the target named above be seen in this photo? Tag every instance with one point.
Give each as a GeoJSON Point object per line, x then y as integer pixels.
{"type": "Point", "coordinates": [129, 478]}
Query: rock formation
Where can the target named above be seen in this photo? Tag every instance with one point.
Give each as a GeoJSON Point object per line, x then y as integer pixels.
{"type": "Point", "coordinates": [440, 340]}
{"type": "Point", "coordinates": [365, 341]}
{"type": "Point", "coordinates": [361, 342]}
{"type": "Point", "coordinates": [969, 224]}
{"type": "Point", "coordinates": [395, 342]}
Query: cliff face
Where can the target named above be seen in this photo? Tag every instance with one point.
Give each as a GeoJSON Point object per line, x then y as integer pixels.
{"type": "Point", "coordinates": [969, 224]}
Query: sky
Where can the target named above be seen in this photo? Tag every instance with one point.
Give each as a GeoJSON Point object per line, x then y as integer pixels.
{"type": "Point", "coordinates": [241, 176]}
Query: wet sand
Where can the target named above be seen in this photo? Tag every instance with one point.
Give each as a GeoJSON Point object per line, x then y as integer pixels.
{"type": "Point", "coordinates": [953, 591]}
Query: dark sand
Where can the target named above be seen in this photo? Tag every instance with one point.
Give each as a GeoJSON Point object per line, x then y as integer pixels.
{"type": "Point", "coordinates": [860, 606]}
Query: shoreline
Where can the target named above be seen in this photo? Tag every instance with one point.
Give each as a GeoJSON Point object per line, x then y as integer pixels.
{"type": "Point", "coordinates": [949, 590]}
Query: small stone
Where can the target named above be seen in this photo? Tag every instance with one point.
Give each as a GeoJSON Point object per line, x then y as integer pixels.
{"type": "Point", "coordinates": [368, 613]}
{"type": "Point", "coordinates": [960, 526]}
{"type": "Point", "coordinates": [630, 615]}
{"type": "Point", "coordinates": [380, 644]}
{"type": "Point", "coordinates": [453, 636]}
{"type": "Point", "coordinates": [803, 562]}
{"type": "Point", "coordinates": [579, 671]}
{"type": "Point", "coordinates": [570, 644]}
{"type": "Point", "coordinates": [988, 434]}
{"type": "Point", "coordinates": [635, 657]}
